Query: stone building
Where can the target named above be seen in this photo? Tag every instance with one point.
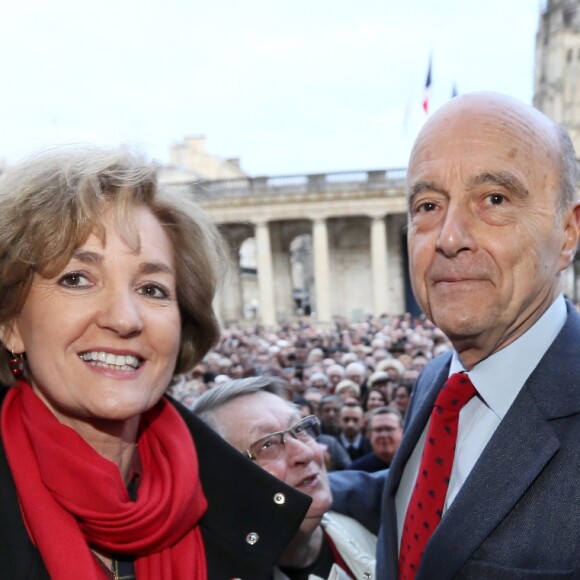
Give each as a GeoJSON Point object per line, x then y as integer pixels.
{"type": "Point", "coordinates": [190, 161]}
{"type": "Point", "coordinates": [557, 83]}
{"type": "Point", "coordinates": [557, 77]}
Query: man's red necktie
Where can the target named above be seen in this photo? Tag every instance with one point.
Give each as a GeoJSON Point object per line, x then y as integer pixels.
{"type": "Point", "coordinates": [426, 505]}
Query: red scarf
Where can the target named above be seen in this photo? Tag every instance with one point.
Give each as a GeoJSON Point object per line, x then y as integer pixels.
{"type": "Point", "coordinates": [72, 498]}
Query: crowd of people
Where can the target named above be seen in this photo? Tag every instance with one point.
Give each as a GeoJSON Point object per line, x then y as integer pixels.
{"type": "Point", "coordinates": [342, 374]}
{"type": "Point", "coordinates": [367, 361]}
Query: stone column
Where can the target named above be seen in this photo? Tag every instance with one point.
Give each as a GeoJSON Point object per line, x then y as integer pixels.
{"type": "Point", "coordinates": [321, 269]}
{"type": "Point", "coordinates": [230, 295]}
{"type": "Point", "coordinates": [265, 274]}
{"type": "Point", "coordinates": [379, 264]}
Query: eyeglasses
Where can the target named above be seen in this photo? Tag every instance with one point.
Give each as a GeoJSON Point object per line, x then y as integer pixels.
{"type": "Point", "coordinates": [270, 447]}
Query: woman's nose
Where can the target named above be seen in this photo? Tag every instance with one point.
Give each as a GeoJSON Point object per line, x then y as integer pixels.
{"type": "Point", "coordinates": [121, 313]}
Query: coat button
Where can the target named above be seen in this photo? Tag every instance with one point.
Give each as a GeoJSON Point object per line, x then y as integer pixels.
{"type": "Point", "coordinates": [252, 538]}
{"type": "Point", "coordinates": [367, 576]}
{"type": "Point", "coordinates": [279, 498]}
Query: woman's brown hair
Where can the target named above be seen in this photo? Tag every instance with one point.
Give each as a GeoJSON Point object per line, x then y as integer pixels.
{"type": "Point", "coordinates": [49, 205]}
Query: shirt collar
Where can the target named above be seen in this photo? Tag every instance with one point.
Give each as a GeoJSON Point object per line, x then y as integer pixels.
{"type": "Point", "coordinates": [500, 377]}
{"type": "Point", "coordinates": [355, 442]}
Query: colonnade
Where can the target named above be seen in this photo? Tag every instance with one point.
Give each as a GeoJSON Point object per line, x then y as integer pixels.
{"type": "Point", "coordinates": [357, 266]}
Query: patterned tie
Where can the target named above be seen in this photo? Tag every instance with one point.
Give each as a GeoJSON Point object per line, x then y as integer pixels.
{"type": "Point", "coordinates": [426, 504]}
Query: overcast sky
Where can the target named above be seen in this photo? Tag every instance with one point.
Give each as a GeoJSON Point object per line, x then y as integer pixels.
{"type": "Point", "coordinates": [289, 86]}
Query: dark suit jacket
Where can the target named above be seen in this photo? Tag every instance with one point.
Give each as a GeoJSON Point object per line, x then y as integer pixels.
{"type": "Point", "coordinates": [369, 462]}
{"type": "Point", "coordinates": [240, 501]}
{"type": "Point", "coordinates": [518, 513]}
{"type": "Point", "coordinates": [355, 453]}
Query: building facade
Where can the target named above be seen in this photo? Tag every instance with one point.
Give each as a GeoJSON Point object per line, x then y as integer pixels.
{"type": "Point", "coordinates": [328, 246]}
{"type": "Point", "coordinates": [557, 83]}
{"type": "Point", "coordinates": [557, 76]}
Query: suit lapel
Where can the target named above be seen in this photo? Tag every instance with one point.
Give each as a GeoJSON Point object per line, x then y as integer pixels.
{"type": "Point", "coordinates": [520, 448]}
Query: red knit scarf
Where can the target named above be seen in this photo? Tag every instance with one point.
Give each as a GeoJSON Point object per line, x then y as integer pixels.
{"type": "Point", "coordinates": [72, 498]}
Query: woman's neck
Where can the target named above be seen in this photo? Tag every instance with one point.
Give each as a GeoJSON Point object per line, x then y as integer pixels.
{"type": "Point", "coordinates": [303, 548]}
{"type": "Point", "coordinates": [115, 440]}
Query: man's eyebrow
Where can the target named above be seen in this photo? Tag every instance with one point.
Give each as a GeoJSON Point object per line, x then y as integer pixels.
{"type": "Point", "coordinates": [421, 186]}
{"type": "Point", "coordinates": [504, 179]}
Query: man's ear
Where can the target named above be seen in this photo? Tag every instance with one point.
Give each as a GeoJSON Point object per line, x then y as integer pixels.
{"type": "Point", "coordinates": [10, 337]}
{"type": "Point", "coordinates": [571, 224]}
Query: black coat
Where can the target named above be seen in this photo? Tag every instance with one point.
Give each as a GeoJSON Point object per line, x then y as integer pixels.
{"type": "Point", "coordinates": [242, 499]}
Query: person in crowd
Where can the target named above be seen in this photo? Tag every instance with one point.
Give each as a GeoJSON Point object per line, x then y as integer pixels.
{"type": "Point", "coordinates": [375, 398]}
{"type": "Point", "coordinates": [271, 432]}
{"type": "Point", "coordinates": [401, 398]}
{"type": "Point", "coordinates": [382, 381]}
{"type": "Point", "coordinates": [393, 367]}
{"type": "Point", "coordinates": [385, 431]}
{"type": "Point", "coordinates": [313, 396]}
{"type": "Point", "coordinates": [356, 371]}
{"type": "Point", "coordinates": [106, 289]}
{"type": "Point", "coordinates": [347, 389]}
{"type": "Point", "coordinates": [320, 381]}
{"type": "Point", "coordinates": [335, 455]}
{"type": "Point", "coordinates": [351, 435]}
{"type": "Point", "coordinates": [494, 221]}
{"type": "Point", "coordinates": [328, 413]}
{"type": "Point", "coordinates": [335, 373]}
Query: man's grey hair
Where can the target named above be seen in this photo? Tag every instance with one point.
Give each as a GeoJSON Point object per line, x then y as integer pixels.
{"type": "Point", "coordinates": [206, 405]}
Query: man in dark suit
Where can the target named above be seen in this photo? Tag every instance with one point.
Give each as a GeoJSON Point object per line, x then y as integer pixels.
{"type": "Point", "coordinates": [493, 223]}
{"type": "Point", "coordinates": [352, 429]}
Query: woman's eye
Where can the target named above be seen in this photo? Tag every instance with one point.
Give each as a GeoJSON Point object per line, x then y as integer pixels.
{"type": "Point", "coordinates": [154, 291]}
{"type": "Point", "coordinates": [73, 280]}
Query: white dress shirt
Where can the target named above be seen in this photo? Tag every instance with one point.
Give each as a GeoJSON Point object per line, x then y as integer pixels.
{"type": "Point", "coordinates": [498, 380]}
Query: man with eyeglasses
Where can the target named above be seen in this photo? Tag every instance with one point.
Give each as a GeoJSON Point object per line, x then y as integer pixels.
{"type": "Point", "coordinates": [252, 416]}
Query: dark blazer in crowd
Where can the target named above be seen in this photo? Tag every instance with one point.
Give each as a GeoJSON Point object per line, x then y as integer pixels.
{"type": "Point", "coordinates": [339, 458]}
{"type": "Point", "coordinates": [369, 462]}
{"type": "Point", "coordinates": [356, 452]}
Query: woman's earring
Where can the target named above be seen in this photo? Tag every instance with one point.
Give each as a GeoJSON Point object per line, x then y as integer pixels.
{"type": "Point", "coordinates": [16, 364]}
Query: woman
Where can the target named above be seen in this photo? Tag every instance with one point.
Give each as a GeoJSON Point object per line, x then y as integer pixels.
{"type": "Point", "coordinates": [374, 399]}
{"type": "Point", "coordinates": [347, 388]}
{"type": "Point", "coordinates": [106, 287]}
{"type": "Point", "coordinates": [270, 431]}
